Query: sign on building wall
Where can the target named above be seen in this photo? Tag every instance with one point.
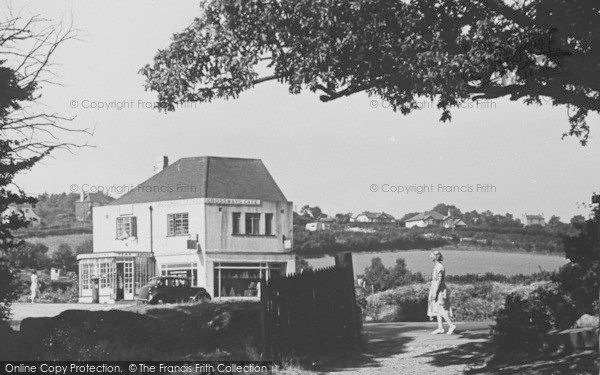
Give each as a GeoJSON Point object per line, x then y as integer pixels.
{"type": "Point", "coordinates": [231, 201]}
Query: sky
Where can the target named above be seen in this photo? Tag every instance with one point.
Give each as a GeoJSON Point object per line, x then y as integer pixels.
{"type": "Point", "coordinates": [349, 155]}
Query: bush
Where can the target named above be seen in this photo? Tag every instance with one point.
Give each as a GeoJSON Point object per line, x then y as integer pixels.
{"type": "Point", "coordinates": [407, 303]}
{"type": "Point", "coordinates": [524, 320]}
{"type": "Point", "coordinates": [64, 258]}
{"type": "Point", "coordinates": [208, 331]}
{"type": "Point", "coordinates": [86, 247]}
{"type": "Point", "coordinates": [28, 255]}
{"type": "Point", "coordinates": [61, 291]}
{"type": "Point", "coordinates": [470, 302]}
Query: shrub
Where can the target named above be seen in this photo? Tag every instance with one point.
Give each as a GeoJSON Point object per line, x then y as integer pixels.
{"type": "Point", "coordinates": [64, 258]}
{"type": "Point", "coordinates": [60, 291]}
{"type": "Point", "coordinates": [85, 247]}
{"type": "Point", "coordinates": [407, 303]}
{"type": "Point", "coordinates": [524, 320]}
{"type": "Point", "coordinates": [470, 302]}
{"type": "Point", "coordinates": [28, 255]}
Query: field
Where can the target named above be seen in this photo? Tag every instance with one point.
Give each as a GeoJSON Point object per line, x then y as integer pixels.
{"type": "Point", "coordinates": [457, 262]}
{"type": "Point", "coordinates": [53, 242]}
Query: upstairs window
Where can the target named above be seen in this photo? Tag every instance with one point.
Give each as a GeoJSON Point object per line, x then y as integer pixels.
{"type": "Point", "coordinates": [268, 224]}
{"type": "Point", "coordinates": [252, 223]}
{"type": "Point", "coordinates": [178, 224]}
{"type": "Point", "coordinates": [126, 227]}
{"type": "Point", "coordinates": [236, 222]}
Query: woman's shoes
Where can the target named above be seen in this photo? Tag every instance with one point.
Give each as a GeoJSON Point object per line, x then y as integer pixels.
{"type": "Point", "coordinates": [451, 330]}
{"type": "Point", "coordinates": [438, 331]}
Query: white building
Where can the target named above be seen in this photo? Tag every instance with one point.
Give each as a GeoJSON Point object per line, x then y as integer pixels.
{"type": "Point", "coordinates": [317, 226]}
{"type": "Point", "coordinates": [373, 217]}
{"type": "Point", "coordinates": [534, 220]}
{"type": "Point", "coordinates": [221, 222]}
{"type": "Point", "coordinates": [25, 210]}
{"type": "Point", "coordinates": [425, 219]}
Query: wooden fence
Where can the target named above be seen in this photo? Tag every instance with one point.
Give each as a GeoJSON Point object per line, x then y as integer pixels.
{"type": "Point", "coordinates": [310, 312]}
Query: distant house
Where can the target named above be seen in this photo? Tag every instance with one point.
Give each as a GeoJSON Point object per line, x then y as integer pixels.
{"type": "Point", "coordinates": [425, 219]}
{"type": "Point", "coordinates": [534, 220]}
{"type": "Point", "coordinates": [317, 226]}
{"type": "Point", "coordinates": [373, 217]}
{"type": "Point", "coordinates": [458, 223]}
{"type": "Point", "coordinates": [26, 210]}
{"type": "Point", "coordinates": [86, 202]}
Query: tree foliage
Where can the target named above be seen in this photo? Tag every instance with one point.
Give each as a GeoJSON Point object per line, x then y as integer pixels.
{"type": "Point", "coordinates": [451, 51]}
{"type": "Point", "coordinates": [381, 278]}
{"type": "Point", "coordinates": [64, 258]}
{"type": "Point", "coordinates": [27, 134]}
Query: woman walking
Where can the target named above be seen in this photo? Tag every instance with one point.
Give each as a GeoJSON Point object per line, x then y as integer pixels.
{"type": "Point", "coordinates": [34, 285]}
{"type": "Point", "coordinates": [439, 296]}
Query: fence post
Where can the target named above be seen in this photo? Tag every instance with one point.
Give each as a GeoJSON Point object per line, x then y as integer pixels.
{"type": "Point", "coordinates": [344, 260]}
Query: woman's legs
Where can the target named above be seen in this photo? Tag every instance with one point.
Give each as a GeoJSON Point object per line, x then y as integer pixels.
{"type": "Point", "coordinates": [451, 327]}
{"type": "Point", "coordinates": [440, 328]}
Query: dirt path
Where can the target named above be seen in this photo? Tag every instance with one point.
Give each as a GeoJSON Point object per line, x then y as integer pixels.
{"type": "Point", "coordinates": [410, 348]}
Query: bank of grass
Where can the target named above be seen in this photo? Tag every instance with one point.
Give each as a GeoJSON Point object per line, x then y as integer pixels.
{"type": "Point", "coordinates": [478, 301]}
{"type": "Point", "coordinates": [208, 331]}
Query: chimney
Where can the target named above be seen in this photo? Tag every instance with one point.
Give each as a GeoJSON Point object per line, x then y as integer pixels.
{"type": "Point", "coordinates": [81, 196]}
{"type": "Point", "coordinates": [161, 163]}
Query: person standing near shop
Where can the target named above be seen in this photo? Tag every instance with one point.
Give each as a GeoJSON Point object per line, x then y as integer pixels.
{"type": "Point", "coordinates": [34, 286]}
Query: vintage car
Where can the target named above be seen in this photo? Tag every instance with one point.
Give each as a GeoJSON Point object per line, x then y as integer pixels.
{"type": "Point", "coordinates": [171, 289]}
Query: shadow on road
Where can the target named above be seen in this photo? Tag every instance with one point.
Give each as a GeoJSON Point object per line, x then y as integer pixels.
{"type": "Point", "coordinates": [581, 363]}
{"type": "Point", "coordinates": [474, 352]}
{"type": "Point", "coordinates": [384, 340]}
{"type": "Point", "coordinates": [477, 352]}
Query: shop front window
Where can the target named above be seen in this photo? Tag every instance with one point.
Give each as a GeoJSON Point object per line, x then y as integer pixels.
{"type": "Point", "coordinates": [242, 279]}
{"type": "Point", "coordinates": [105, 274]}
{"type": "Point", "coordinates": [187, 271]}
{"type": "Point", "coordinates": [87, 271]}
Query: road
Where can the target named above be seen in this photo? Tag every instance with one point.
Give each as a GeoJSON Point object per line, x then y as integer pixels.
{"type": "Point", "coordinates": [410, 348]}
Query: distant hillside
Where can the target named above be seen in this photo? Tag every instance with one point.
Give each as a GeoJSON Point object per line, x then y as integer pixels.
{"type": "Point", "coordinates": [58, 211]}
{"type": "Point", "coordinates": [383, 238]}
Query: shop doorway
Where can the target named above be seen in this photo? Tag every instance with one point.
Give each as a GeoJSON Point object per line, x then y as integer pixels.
{"type": "Point", "coordinates": [120, 282]}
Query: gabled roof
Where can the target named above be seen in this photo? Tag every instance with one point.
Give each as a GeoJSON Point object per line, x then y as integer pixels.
{"type": "Point", "coordinates": [377, 215]}
{"type": "Point", "coordinates": [207, 177]}
{"type": "Point", "coordinates": [426, 215]}
{"type": "Point", "coordinates": [455, 221]}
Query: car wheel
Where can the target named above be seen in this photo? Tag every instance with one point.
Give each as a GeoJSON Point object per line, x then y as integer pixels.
{"type": "Point", "coordinates": [200, 298]}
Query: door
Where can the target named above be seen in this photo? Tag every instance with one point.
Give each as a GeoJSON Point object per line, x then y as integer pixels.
{"type": "Point", "coordinates": [120, 282]}
{"type": "Point", "coordinates": [128, 281]}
